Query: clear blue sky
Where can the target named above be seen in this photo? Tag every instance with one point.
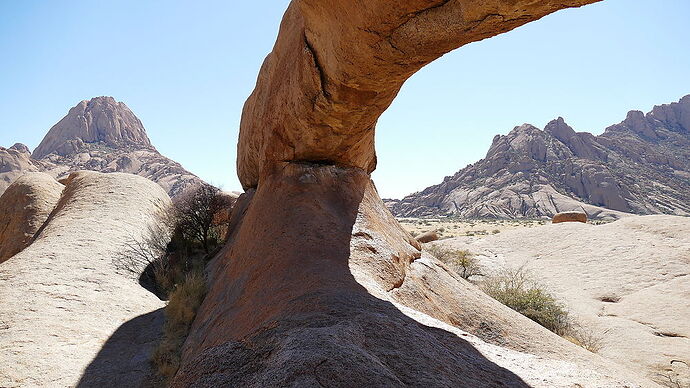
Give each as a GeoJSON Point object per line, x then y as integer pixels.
{"type": "Point", "coordinates": [185, 69]}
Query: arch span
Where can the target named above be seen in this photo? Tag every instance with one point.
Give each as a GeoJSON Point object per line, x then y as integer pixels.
{"type": "Point", "coordinates": [338, 64]}
{"type": "Point", "coordinates": [318, 285]}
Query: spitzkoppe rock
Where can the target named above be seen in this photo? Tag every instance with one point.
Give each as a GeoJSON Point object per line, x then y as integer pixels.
{"type": "Point", "coordinates": [67, 316]}
{"type": "Point", "coordinates": [318, 285]}
{"type": "Point", "coordinates": [99, 120]}
{"type": "Point", "coordinates": [24, 207]}
{"type": "Point", "coordinates": [641, 166]}
{"type": "Point", "coordinates": [99, 135]}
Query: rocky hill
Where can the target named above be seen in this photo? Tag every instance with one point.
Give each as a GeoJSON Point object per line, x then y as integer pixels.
{"type": "Point", "coordinates": [641, 165]}
{"type": "Point", "coordinates": [98, 135]}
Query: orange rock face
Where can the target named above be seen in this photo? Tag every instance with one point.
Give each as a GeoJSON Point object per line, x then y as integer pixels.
{"type": "Point", "coordinates": [328, 79]}
{"type": "Point", "coordinates": [24, 207]}
{"type": "Point", "coordinates": [569, 217]}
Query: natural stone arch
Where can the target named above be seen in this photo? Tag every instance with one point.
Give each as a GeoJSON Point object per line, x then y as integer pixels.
{"type": "Point", "coordinates": [318, 283]}
{"type": "Point", "coordinates": [337, 65]}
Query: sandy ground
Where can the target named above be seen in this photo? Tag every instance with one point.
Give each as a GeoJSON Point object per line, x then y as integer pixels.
{"type": "Point", "coordinates": [626, 281]}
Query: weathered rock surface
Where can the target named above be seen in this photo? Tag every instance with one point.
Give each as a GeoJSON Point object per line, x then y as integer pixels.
{"type": "Point", "coordinates": [98, 135]}
{"type": "Point", "coordinates": [323, 87]}
{"type": "Point", "coordinates": [640, 166]}
{"type": "Point", "coordinates": [14, 162]}
{"type": "Point", "coordinates": [24, 208]}
{"type": "Point", "coordinates": [364, 309]}
{"type": "Point", "coordinates": [627, 281]}
{"type": "Point", "coordinates": [63, 301]}
{"type": "Point", "coordinates": [569, 217]}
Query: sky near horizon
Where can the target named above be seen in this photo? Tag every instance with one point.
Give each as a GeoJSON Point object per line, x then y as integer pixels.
{"type": "Point", "coordinates": [185, 68]}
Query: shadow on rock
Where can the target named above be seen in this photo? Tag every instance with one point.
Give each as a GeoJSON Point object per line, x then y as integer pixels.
{"type": "Point", "coordinates": [284, 308]}
{"type": "Point", "coordinates": [124, 359]}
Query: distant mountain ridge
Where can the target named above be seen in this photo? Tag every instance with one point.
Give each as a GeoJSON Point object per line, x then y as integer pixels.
{"type": "Point", "coordinates": [641, 166]}
{"type": "Point", "coordinates": [102, 135]}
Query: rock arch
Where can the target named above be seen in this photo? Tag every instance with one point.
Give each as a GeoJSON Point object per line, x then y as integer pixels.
{"type": "Point", "coordinates": [318, 282]}
{"type": "Point", "coordinates": [337, 65]}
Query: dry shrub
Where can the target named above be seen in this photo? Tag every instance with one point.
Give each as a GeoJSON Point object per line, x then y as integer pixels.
{"type": "Point", "coordinates": [179, 314]}
{"type": "Point", "coordinates": [462, 261]}
{"type": "Point", "coordinates": [518, 290]}
{"type": "Point", "coordinates": [196, 213]}
{"type": "Point", "coordinates": [145, 258]}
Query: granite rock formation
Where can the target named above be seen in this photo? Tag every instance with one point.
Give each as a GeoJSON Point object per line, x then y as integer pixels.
{"type": "Point", "coordinates": [640, 166]}
{"type": "Point", "coordinates": [24, 208]}
{"type": "Point", "coordinates": [98, 135]}
{"type": "Point", "coordinates": [63, 300]}
{"type": "Point", "coordinates": [99, 120]}
{"type": "Point", "coordinates": [318, 284]}
{"type": "Point", "coordinates": [14, 162]}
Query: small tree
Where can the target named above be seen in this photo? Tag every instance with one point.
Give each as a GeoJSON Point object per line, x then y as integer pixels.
{"type": "Point", "coordinates": [462, 261]}
{"type": "Point", "coordinates": [465, 264]}
{"type": "Point", "coordinates": [195, 213]}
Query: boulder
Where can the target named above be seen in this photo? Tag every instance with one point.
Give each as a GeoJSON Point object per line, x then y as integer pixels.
{"type": "Point", "coordinates": [569, 217]}
{"type": "Point", "coordinates": [15, 162]}
{"type": "Point", "coordinates": [24, 207]}
{"type": "Point", "coordinates": [428, 236]}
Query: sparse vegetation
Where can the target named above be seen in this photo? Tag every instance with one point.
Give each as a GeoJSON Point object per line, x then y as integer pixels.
{"type": "Point", "coordinates": [460, 260]}
{"type": "Point", "coordinates": [587, 338]}
{"type": "Point", "coordinates": [519, 291]}
{"type": "Point", "coordinates": [195, 214]}
{"type": "Point", "coordinates": [182, 240]}
{"type": "Point", "coordinates": [179, 315]}
{"type": "Point", "coordinates": [170, 260]}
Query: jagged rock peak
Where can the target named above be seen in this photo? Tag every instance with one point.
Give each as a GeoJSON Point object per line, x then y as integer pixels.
{"type": "Point", "coordinates": [20, 147]}
{"type": "Point", "coordinates": [674, 117]}
{"type": "Point", "coordinates": [101, 119]}
{"type": "Point", "coordinates": [560, 130]}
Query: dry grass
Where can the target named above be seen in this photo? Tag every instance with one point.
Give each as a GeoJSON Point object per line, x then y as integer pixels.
{"type": "Point", "coordinates": [179, 314]}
